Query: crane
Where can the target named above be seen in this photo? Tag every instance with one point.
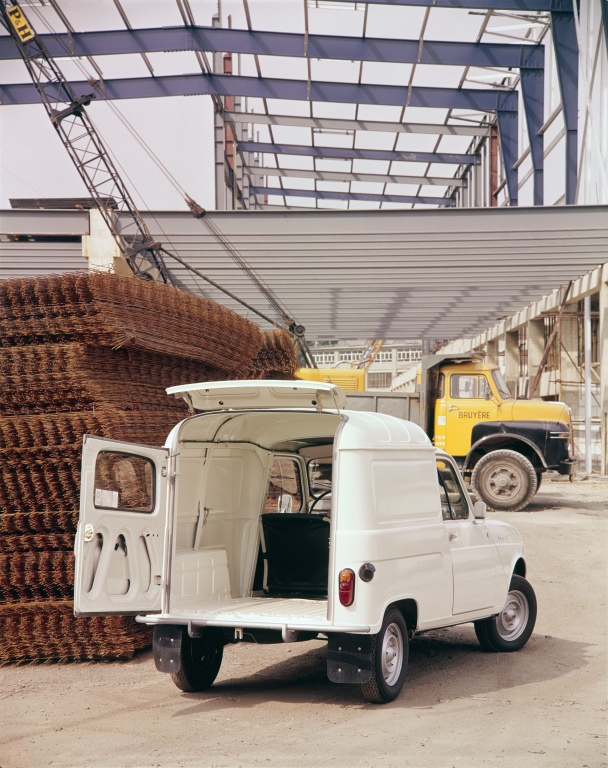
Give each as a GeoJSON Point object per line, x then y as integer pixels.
{"type": "Point", "coordinates": [68, 116]}
{"type": "Point", "coordinates": [78, 134]}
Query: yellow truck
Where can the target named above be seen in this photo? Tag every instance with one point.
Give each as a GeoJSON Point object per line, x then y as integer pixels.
{"type": "Point", "coordinates": [502, 445]}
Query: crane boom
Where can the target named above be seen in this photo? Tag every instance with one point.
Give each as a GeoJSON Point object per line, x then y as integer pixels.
{"type": "Point", "coordinates": [67, 113]}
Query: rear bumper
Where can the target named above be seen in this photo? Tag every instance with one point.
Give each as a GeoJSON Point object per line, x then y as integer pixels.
{"type": "Point", "coordinates": [566, 467]}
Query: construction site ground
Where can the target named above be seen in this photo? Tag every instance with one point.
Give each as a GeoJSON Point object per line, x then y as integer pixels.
{"type": "Point", "coordinates": [272, 705]}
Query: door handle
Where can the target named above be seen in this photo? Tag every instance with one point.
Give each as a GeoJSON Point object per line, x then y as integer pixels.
{"type": "Point", "coordinates": [453, 408]}
{"type": "Point", "coordinates": [453, 536]}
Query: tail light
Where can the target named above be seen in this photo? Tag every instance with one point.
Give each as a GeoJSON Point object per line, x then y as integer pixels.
{"type": "Point", "coordinates": [346, 586]}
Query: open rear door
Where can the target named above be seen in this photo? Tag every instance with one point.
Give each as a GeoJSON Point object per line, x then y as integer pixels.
{"type": "Point", "coordinates": [121, 534]}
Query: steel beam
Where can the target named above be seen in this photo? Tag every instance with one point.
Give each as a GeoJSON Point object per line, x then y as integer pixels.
{"type": "Point", "coordinates": [482, 5]}
{"type": "Point", "coordinates": [504, 103]}
{"type": "Point", "coordinates": [479, 100]}
{"type": "Point", "coordinates": [370, 178]}
{"type": "Point", "coordinates": [336, 124]}
{"type": "Point", "coordinates": [361, 197]}
{"type": "Point", "coordinates": [260, 43]}
{"type": "Point", "coordinates": [358, 154]}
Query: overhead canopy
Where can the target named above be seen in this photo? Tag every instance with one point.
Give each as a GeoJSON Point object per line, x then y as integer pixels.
{"type": "Point", "coordinates": [446, 273]}
{"type": "Point", "coordinates": [441, 274]}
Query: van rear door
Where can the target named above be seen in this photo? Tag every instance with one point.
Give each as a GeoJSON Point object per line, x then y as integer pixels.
{"type": "Point", "coordinates": [121, 535]}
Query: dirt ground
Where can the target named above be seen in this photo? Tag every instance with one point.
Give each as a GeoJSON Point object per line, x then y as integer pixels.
{"type": "Point", "coordinates": [272, 705]}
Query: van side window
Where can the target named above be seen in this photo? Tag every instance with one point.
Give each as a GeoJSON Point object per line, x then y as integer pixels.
{"type": "Point", "coordinates": [285, 484]}
{"type": "Point", "coordinates": [453, 502]}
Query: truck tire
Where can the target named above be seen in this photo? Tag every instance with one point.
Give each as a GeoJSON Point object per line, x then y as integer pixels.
{"type": "Point", "coordinates": [390, 652]}
{"type": "Point", "coordinates": [511, 629]}
{"type": "Point", "coordinates": [505, 480]}
{"type": "Point", "coordinates": [201, 658]}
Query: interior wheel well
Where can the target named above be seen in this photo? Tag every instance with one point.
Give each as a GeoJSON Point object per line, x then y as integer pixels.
{"type": "Point", "coordinates": [520, 568]}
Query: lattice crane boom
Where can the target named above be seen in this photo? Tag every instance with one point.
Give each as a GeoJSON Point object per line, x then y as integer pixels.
{"type": "Point", "coordinates": [67, 113]}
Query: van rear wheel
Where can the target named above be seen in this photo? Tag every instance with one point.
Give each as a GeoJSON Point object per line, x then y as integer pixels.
{"type": "Point", "coordinates": [389, 660]}
{"type": "Point", "coordinates": [201, 658]}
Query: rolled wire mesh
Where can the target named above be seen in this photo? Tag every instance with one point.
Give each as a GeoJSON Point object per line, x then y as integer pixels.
{"type": "Point", "coordinates": [49, 631]}
{"type": "Point", "coordinates": [54, 430]}
{"type": "Point", "coordinates": [40, 479]}
{"type": "Point", "coordinates": [37, 522]}
{"type": "Point", "coordinates": [76, 377]}
{"type": "Point", "coordinates": [36, 576]}
{"type": "Point", "coordinates": [276, 358]}
{"type": "Point", "coordinates": [115, 311]}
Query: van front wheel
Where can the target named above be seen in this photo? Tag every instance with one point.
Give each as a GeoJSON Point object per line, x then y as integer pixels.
{"type": "Point", "coordinates": [389, 660]}
{"type": "Point", "coordinates": [201, 658]}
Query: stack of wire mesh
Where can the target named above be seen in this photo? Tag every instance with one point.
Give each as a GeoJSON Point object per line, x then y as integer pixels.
{"type": "Point", "coordinates": [93, 353]}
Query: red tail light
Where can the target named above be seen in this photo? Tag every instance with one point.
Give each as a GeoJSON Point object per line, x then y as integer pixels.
{"type": "Point", "coordinates": [346, 586]}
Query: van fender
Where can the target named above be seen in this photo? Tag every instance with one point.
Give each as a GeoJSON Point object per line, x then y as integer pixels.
{"type": "Point", "coordinates": [497, 440]}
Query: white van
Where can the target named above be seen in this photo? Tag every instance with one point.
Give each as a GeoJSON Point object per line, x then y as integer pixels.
{"type": "Point", "coordinates": [273, 515]}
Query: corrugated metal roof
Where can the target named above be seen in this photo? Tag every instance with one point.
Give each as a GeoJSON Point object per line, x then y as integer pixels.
{"type": "Point", "coordinates": [350, 275]}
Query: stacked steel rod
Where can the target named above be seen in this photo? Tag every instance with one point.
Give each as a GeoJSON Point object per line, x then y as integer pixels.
{"type": "Point", "coordinates": [92, 354]}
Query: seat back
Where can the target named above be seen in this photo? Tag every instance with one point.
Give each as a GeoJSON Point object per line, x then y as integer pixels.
{"type": "Point", "coordinates": [296, 551]}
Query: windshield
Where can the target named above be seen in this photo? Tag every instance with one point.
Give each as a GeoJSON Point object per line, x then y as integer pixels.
{"type": "Point", "coordinates": [501, 385]}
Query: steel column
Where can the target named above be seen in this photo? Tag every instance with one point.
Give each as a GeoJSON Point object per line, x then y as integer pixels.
{"type": "Point", "coordinates": [566, 57]}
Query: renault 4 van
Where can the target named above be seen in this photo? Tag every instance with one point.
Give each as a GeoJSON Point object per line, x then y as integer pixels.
{"type": "Point", "coordinates": [274, 515]}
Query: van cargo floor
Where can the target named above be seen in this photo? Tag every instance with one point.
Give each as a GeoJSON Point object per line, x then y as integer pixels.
{"type": "Point", "coordinates": [250, 611]}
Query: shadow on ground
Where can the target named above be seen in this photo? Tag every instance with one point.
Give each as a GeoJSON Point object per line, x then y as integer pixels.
{"type": "Point", "coordinates": [443, 665]}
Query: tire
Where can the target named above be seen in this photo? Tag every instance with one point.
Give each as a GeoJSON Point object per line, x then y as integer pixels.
{"type": "Point", "coordinates": [390, 651]}
{"type": "Point", "coordinates": [505, 480]}
{"type": "Point", "coordinates": [511, 629]}
{"type": "Point", "coordinates": [201, 658]}
{"type": "Point", "coordinates": [539, 479]}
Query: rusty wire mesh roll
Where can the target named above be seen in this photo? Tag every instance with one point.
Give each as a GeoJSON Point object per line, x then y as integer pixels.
{"type": "Point", "coordinates": [75, 377]}
{"type": "Point", "coordinates": [36, 576]}
{"type": "Point", "coordinates": [149, 426]}
{"type": "Point", "coordinates": [40, 480]}
{"type": "Point", "coordinates": [38, 542]}
{"type": "Point", "coordinates": [60, 522]}
{"type": "Point", "coordinates": [115, 311]}
{"type": "Point", "coordinates": [276, 358]}
{"type": "Point", "coordinates": [49, 631]}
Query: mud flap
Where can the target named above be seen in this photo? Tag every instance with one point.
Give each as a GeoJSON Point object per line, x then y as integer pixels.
{"type": "Point", "coordinates": [349, 658]}
{"type": "Point", "coordinates": [167, 647]}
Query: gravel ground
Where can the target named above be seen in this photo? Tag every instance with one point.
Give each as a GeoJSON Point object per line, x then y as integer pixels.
{"type": "Point", "coordinates": [273, 705]}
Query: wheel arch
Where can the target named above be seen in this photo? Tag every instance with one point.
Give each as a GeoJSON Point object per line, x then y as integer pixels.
{"type": "Point", "coordinates": [519, 568]}
{"type": "Point", "coordinates": [508, 442]}
{"type": "Point", "coordinates": [409, 610]}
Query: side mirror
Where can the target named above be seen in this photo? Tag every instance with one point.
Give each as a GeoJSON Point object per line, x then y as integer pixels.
{"type": "Point", "coordinates": [479, 510]}
{"type": "Point", "coordinates": [285, 502]}
{"type": "Point", "coordinates": [488, 395]}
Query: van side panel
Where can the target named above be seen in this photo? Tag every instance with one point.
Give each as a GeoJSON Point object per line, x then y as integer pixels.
{"type": "Point", "coordinates": [389, 514]}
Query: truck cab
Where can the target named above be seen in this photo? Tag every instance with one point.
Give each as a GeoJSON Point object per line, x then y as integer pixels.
{"type": "Point", "coordinates": [504, 445]}
{"type": "Point", "coordinates": [273, 514]}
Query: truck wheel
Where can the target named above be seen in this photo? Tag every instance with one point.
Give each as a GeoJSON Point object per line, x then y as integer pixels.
{"type": "Point", "coordinates": [201, 658]}
{"type": "Point", "coordinates": [511, 629]}
{"type": "Point", "coordinates": [505, 480]}
{"type": "Point", "coordinates": [389, 660]}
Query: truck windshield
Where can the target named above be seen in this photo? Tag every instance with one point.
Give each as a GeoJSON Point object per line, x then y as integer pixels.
{"type": "Point", "coordinates": [501, 385]}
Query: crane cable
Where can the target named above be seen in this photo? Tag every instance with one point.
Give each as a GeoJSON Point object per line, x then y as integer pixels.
{"type": "Point", "coordinates": [292, 325]}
